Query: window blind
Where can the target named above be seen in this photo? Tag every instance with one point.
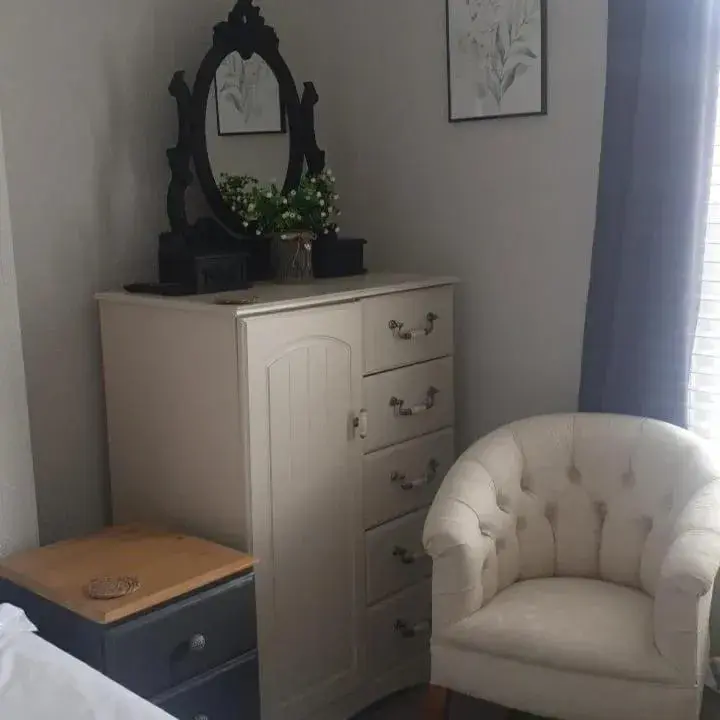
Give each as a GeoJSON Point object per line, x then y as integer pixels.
{"type": "Point", "coordinates": [704, 398]}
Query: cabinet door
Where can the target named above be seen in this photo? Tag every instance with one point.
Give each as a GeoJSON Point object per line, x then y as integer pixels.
{"type": "Point", "coordinates": [304, 376]}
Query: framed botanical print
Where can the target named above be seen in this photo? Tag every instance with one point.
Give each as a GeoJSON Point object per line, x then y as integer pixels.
{"type": "Point", "coordinates": [497, 58]}
{"type": "Point", "coordinates": [248, 97]}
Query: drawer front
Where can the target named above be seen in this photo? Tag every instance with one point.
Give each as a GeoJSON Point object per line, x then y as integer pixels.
{"type": "Point", "coordinates": [398, 630]}
{"type": "Point", "coordinates": [395, 556]}
{"type": "Point", "coordinates": [406, 477]}
{"type": "Point", "coordinates": [406, 328]}
{"type": "Point", "coordinates": [230, 693]}
{"type": "Point", "coordinates": [161, 650]}
{"type": "Point", "coordinates": [407, 403]}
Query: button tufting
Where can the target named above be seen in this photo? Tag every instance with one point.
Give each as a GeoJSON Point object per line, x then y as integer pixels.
{"type": "Point", "coordinates": [486, 565]}
{"type": "Point", "coordinates": [551, 511]}
{"type": "Point", "coordinates": [485, 532]}
{"type": "Point", "coordinates": [521, 523]}
{"type": "Point", "coordinates": [629, 480]}
{"type": "Point", "coordinates": [503, 503]}
{"type": "Point", "coordinates": [601, 509]}
{"type": "Point", "coordinates": [500, 545]}
{"type": "Point", "coordinates": [526, 484]}
{"type": "Point", "coordinates": [574, 475]}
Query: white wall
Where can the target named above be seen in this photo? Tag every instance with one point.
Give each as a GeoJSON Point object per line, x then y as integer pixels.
{"type": "Point", "coordinates": [87, 117]}
{"type": "Point", "coordinates": [508, 205]}
{"type": "Point", "coordinates": [18, 515]}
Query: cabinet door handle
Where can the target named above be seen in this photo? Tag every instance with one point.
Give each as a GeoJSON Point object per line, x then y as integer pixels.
{"type": "Point", "coordinates": [360, 423]}
{"type": "Point", "coordinates": [407, 557]}
{"type": "Point", "coordinates": [428, 478]}
{"type": "Point", "coordinates": [397, 328]}
{"type": "Point", "coordinates": [408, 631]}
{"type": "Point", "coordinates": [428, 404]}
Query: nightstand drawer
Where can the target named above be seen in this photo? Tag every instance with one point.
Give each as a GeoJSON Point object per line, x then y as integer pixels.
{"type": "Point", "coordinates": [230, 693]}
{"type": "Point", "coordinates": [163, 649]}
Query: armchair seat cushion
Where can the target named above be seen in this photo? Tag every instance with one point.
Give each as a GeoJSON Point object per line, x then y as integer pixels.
{"type": "Point", "coordinates": [573, 624]}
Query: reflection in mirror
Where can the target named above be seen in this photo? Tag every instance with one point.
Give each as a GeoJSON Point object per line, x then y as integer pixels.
{"type": "Point", "coordinates": [245, 124]}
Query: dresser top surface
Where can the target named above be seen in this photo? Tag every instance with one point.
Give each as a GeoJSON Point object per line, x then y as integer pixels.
{"type": "Point", "coordinates": [266, 298]}
{"type": "Point", "coordinates": [167, 565]}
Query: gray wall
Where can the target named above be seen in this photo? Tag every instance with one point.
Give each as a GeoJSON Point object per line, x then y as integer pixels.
{"type": "Point", "coordinates": [83, 90]}
{"type": "Point", "coordinates": [508, 205]}
{"type": "Point", "coordinates": [18, 516]}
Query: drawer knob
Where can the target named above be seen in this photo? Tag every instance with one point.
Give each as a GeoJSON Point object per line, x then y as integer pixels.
{"type": "Point", "coordinates": [428, 478]}
{"type": "Point", "coordinates": [428, 404]}
{"type": "Point", "coordinates": [397, 328]}
{"type": "Point", "coordinates": [197, 643]}
{"type": "Point", "coordinates": [407, 557]}
{"type": "Point", "coordinates": [408, 631]}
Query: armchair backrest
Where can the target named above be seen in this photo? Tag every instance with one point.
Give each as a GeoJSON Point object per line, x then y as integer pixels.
{"type": "Point", "coordinates": [595, 496]}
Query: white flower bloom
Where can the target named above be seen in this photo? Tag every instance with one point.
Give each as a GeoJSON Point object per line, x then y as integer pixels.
{"type": "Point", "coordinates": [246, 223]}
{"type": "Point", "coordinates": [322, 203]}
{"type": "Point", "coordinates": [251, 207]}
{"type": "Point", "coordinates": [337, 228]}
{"type": "Point", "coordinates": [336, 197]}
{"type": "Point", "coordinates": [285, 202]}
{"type": "Point", "coordinates": [257, 232]}
{"type": "Point", "coordinates": [293, 193]}
{"type": "Point", "coordinates": [323, 214]}
{"type": "Point", "coordinates": [319, 194]}
{"type": "Point", "coordinates": [268, 195]}
{"type": "Point", "coordinates": [339, 213]}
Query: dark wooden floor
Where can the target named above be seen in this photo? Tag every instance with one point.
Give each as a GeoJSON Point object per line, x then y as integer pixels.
{"type": "Point", "coordinates": [407, 706]}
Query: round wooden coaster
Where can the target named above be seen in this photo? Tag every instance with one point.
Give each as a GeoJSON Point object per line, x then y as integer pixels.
{"type": "Point", "coordinates": [112, 588]}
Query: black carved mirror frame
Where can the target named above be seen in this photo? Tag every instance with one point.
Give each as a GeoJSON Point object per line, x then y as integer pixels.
{"type": "Point", "coordinates": [247, 33]}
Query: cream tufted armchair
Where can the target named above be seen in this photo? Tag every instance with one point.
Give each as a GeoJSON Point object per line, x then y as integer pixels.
{"type": "Point", "coordinates": [573, 562]}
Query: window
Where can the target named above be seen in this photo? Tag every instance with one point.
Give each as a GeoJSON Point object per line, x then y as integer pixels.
{"type": "Point", "coordinates": [704, 400]}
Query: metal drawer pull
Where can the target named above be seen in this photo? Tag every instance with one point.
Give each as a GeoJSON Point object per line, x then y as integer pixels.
{"type": "Point", "coordinates": [429, 404]}
{"type": "Point", "coordinates": [406, 556]}
{"type": "Point", "coordinates": [407, 631]}
{"type": "Point", "coordinates": [197, 643]}
{"type": "Point", "coordinates": [201, 717]}
{"type": "Point", "coordinates": [398, 332]}
{"type": "Point", "coordinates": [427, 479]}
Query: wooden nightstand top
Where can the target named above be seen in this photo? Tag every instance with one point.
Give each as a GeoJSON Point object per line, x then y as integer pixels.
{"type": "Point", "coordinates": [167, 565]}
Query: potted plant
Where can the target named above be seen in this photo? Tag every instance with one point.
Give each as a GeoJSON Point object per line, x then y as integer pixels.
{"type": "Point", "coordinates": [292, 221]}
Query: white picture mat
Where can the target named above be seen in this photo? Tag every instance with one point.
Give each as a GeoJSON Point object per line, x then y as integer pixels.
{"type": "Point", "coordinates": [248, 97]}
{"type": "Point", "coordinates": [496, 58]}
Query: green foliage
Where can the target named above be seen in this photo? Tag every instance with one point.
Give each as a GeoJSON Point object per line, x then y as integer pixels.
{"type": "Point", "coordinates": [264, 209]}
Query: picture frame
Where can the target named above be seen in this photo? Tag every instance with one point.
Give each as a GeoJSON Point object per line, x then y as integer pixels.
{"type": "Point", "coordinates": [497, 59]}
{"type": "Point", "coordinates": [247, 98]}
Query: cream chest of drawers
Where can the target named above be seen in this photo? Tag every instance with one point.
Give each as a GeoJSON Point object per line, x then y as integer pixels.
{"type": "Point", "coordinates": [311, 426]}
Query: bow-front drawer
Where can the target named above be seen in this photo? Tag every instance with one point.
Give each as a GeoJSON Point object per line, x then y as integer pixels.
{"type": "Point", "coordinates": [407, 403]}
{"type": "Point", "coordinates": [407, 328]}
{"type": "Point", "coordinates": [395, 556]}
{"type": "Point", "coordinates": [156, 652]}
{"type": "Point", "coordinates": [406, 477]}
{"type": "Point", "coordinates": [399, 629]}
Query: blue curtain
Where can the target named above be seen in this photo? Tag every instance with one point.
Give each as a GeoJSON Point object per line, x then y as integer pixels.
{"type": "Point", "coordinates": [647, 260]}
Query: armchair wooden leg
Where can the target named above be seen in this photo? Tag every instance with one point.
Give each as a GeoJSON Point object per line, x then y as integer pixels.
{"type": "Point", "coordinates": [436, 703]}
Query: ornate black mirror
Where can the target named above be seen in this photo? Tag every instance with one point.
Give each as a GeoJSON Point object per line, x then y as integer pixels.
{"type": "Point", "coordinates": [243, 87]}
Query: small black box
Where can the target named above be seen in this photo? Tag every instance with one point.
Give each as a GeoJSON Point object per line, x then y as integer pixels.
{"type": "Point", "coordinates": [338, 257]}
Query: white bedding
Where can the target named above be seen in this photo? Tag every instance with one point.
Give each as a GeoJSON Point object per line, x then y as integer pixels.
{"type": "Point", "coordinates": [40, 682]}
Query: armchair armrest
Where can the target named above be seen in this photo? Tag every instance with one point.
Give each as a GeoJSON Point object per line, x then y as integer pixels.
{"type": "Point", "coordinates": [454, 541]}
{"type": "Point", "coordinates": [683, 593]}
